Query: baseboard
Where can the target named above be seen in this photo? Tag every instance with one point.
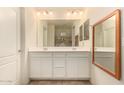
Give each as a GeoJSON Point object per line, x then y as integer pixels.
{"type": "Point", "coordinates": [59, 78]}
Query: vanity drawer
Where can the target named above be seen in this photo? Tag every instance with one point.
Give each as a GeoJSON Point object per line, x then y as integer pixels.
{"type": "Point", "coordinates": [59, 54]}
{"type": "Point", "coordinates": [40, 54]}
{"type": "Point", "coordinates": [59, 62]}
{"type": "Point", "coordinates": [38, 59]}
{"type": "Point", "coordinates": [59, 72]}
{"type": "Point", "coordinates": [77, 60]}
{"type": "Point", "coordinates": [77, 54]}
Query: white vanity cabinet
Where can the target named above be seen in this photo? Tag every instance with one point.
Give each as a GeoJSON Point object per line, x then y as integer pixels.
{"type": "Point", "coordinates": [40, 65]}
{"type": "Point", "coordinates": [59, 65]}
{"type": "Point", "coordinates": [77, 65]}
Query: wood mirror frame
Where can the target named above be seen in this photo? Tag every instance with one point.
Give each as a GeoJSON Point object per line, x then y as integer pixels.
{"type": "Point", "coordinates": [117, 73]}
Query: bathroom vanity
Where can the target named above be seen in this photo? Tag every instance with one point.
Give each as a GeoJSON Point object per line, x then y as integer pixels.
{"type": "Point", "coordinates": [62, 63]}
{"type": "Point", "coordinates": [58, 55]}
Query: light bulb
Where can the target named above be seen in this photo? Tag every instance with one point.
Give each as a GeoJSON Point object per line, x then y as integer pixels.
{"type": "Point", "coordinates": [38, 13]}
{"type": "Point", "coordinates": [44, 13]}
{"type": "Point", "coordinates": [68, 13]}
{"type": "Point", "coordinates": [75, 13]}
{"type": "Point", "coordinates": [81, 12]}
{"type": "Point", "coordinates": [50, 13]}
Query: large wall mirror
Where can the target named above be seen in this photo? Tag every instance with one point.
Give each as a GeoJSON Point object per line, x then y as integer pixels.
{"type": "Point", "coordinates": [60, 33]}
{"type": "Point", "coordinates": [106, 44]}
{"type": "Point", "coordinates": [56, 33]}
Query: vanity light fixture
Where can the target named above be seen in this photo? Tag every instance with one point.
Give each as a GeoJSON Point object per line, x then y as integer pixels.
{"type": "Point", "coordinates": [47, 13]}
{"type": "Point", "coordinates": [74, 12]}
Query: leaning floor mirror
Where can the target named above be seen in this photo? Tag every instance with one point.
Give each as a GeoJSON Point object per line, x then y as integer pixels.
{"type": "Point", "coordinates": [106, 44]}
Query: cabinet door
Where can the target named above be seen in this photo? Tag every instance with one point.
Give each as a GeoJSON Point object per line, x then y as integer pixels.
{"type": "Point", "coordinates": [71, 68]}
{"type": "Point", "coordinates": [35, 67]}
{"type": "Point", "coordinates": [46, 68]}
{"type": "Point", "coordinates": [40, 67]}
{"type": "Point", "coordinates": [82, 68]}
{"type": "Point", "coordinates": [77, 68]}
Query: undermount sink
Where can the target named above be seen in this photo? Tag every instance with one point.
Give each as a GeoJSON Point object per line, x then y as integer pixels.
{"type": "Point", "coordinates": [74, 48]}
{"type": "Point", "coordinates": [45, 49]}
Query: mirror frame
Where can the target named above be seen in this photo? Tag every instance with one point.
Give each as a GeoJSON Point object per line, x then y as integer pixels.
{"type": "Point", "coordinates": [117, 73]}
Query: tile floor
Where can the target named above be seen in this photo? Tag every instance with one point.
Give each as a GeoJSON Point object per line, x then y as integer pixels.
{"type": "Point", "coordinates": [60, 82]}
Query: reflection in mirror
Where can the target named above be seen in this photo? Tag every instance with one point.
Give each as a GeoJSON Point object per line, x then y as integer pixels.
{"type": "Point", "coordinates": [105, 39]}
{"type": "Point", "coordinates": [86, 29]}
{"type": "Point", "coordinates": [63, 35]}
{"type": "Point", "coordinates": [57, 33]}
{"type": "Point", "coordinates": [106, 44]}
{"type": "Point", "coordinates": [76, 40]}
{"type": "Point", "coordinates": [81, 32]}
{"type": "Point", "coordinates": [105, 33]}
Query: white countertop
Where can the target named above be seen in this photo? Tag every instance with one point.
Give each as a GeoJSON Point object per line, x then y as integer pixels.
{"type": "Point", "coordinates": [59, 49]}
{"type": "Point", "coordinates": [70, 49]}
{"type": "Point", "coordinates": [104, 49]}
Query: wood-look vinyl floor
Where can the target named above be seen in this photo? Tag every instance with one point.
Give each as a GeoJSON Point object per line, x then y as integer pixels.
{"type": "Point", "coordinates": [60, 82]}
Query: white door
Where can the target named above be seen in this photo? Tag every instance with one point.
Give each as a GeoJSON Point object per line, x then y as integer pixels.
{"type": "Point", "coordinates": [9, 46]}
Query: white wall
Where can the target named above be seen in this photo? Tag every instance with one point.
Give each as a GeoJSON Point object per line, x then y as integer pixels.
{"type": "Point", "coordinates": [28, 39]}
{"type": "Point", "coordinates": [98, 76]}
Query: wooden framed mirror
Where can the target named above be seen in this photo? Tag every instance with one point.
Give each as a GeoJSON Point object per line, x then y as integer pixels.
{"type": "Point", "coordinates": [106, 44]}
